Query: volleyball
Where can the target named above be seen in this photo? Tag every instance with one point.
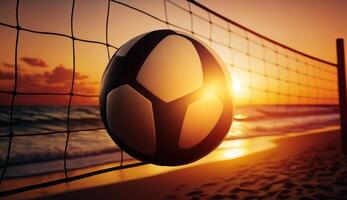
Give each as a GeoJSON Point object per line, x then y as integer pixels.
{"type": "Point", "coordinates": [166, 98]}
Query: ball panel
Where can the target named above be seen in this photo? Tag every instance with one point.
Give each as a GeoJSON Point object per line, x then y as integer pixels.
{"type": "Point", "coordinates": [172, 69]}
{"type": "Point", "coordinates": [130, 118]}
{"type": "Point", "coordinates": [200, 118]}
{"type": "Point", "coordinates": [125, 48]}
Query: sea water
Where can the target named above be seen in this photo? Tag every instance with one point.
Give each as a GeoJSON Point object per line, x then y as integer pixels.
{"type": "Point", "coordinates": [33, 151]}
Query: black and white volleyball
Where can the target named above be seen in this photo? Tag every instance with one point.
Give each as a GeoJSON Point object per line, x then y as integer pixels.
{"type": "Point", "coordinates": [166, 98]}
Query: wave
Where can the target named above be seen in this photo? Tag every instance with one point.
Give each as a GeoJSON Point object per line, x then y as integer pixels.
{"type": "Point", "coordinates": [274, 112]}
{"type": "Point", "coordinates": [53, 154]}
{"type": "Point", "coordinates": [250, 121]}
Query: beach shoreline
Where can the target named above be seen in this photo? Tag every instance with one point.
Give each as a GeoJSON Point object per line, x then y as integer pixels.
{"type": "Point", "coordinates": [122, 183]}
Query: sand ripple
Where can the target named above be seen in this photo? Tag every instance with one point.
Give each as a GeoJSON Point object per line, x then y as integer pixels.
{"type": "Point", "coordinates": [317, 173]}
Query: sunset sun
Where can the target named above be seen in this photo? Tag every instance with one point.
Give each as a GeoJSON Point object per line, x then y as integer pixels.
{"type": "Point", "coordinates": [236, 86]}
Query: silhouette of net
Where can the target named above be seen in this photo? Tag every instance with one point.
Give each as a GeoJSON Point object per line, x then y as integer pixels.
{"type": "Point", "coordinates": [270, 73]}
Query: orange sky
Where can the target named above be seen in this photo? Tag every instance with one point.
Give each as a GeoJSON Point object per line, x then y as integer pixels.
{"type": "Point", "coordinates": [45, 61]}
{"type": "Point", "coordinates": [310, 25]}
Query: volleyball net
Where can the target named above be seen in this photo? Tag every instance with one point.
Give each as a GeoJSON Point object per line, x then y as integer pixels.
{"type": "Point", "coordinates": [80, 44]}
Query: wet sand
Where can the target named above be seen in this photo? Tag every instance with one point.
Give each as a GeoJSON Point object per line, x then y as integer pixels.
{"type": "Point", "coordinates": [300, 167]}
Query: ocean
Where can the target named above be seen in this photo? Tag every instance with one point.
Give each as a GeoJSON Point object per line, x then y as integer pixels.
{"type": "Point", "coordinates": [38, 154]}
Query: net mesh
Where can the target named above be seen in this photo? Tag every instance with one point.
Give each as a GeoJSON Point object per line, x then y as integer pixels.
{"type": "Point", "coordinates": [265, 72]}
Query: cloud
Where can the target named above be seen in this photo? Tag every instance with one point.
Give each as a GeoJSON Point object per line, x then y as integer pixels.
{"type": "Point", "coordinates": [35, 62]}
{"type": "Point", "coordinates": [60, 75]}
{"type": "Point", "coordinates": [57, 80]}
{"type": "Point", "coordinates": [7, 65]}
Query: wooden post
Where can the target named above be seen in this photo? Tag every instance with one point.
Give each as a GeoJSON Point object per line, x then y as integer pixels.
{"type": "Point", "coordinates": [341, 71]}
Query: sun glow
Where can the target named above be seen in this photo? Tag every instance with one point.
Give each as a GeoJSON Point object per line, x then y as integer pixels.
{"type": "Point", "coordinates": [236, 86]}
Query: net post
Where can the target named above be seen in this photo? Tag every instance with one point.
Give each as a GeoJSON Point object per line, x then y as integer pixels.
{"type": "Point", "coordinates": [341, 70]}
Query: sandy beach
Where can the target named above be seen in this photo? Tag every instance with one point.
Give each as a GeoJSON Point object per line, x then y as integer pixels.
{"type": "Point", "coordinates": [298, 167]}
